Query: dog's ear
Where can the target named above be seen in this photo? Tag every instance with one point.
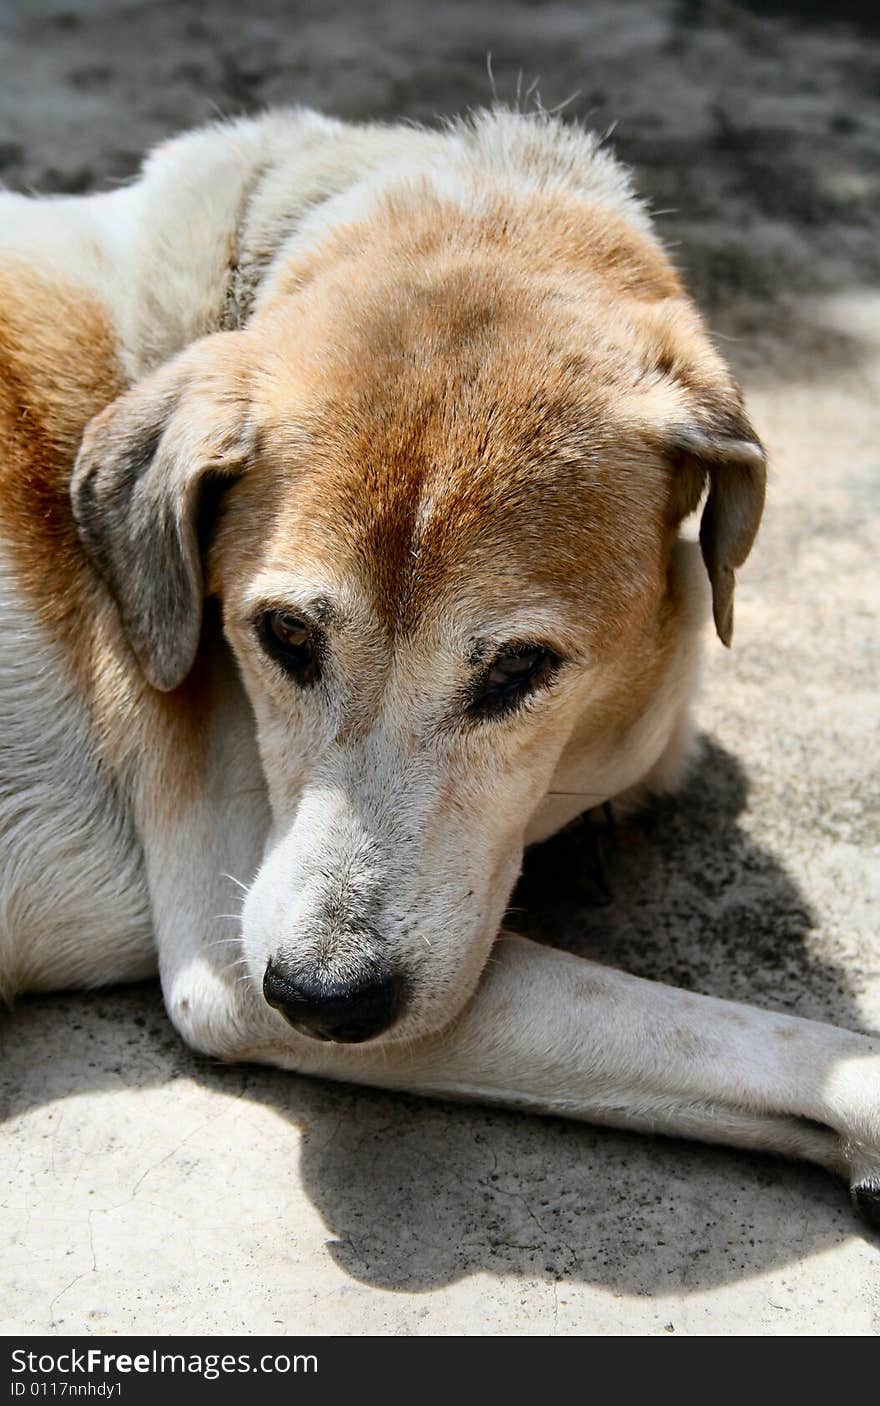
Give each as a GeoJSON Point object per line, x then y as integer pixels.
{"type": "Point", "coordinates": [693, 414]}
{"type": "Point", "coordinates": [148, 468]}
{"type": "Point", "coordinates": [724, 450]}
{"type": "Point", "coordinates": [709, 440]}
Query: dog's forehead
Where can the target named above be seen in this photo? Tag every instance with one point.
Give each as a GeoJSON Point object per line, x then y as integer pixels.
{"type": "Point", "coordinates": [458, 441]}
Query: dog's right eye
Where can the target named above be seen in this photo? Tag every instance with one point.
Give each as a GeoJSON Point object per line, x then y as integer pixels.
{"type": "Point", "coordinates": [291, 643]}
{"type": "Point", "coordinates": [513, 674]}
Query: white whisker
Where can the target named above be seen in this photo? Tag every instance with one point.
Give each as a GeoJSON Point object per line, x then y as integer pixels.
{"type": "Point", "coordinates": [550, 111]}
{"type": "Point", "coordinates": [492, 85]}
{"type": "Point", "coordinates": [233, 880]}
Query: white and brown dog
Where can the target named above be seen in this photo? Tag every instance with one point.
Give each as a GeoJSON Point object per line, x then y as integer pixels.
{"type": "Point", "coordinates": [341, 477]}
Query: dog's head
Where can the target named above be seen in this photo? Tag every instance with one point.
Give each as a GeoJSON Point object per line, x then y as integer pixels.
{"type": "Point", "coordinates": [455, 451]}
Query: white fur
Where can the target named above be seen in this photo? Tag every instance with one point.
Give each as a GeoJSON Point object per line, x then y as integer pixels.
{"type": "Point", "coordinates": [74, 909]}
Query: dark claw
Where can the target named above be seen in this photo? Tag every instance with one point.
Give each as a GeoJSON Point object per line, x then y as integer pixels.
{"type": "Point", "coordinates": [866, 1199]}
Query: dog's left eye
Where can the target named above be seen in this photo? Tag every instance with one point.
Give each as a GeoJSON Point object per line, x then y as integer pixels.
{"type": "Point", "coordinates": [291, 643]}
{"type": "Point", "coordinates": [512, 675]}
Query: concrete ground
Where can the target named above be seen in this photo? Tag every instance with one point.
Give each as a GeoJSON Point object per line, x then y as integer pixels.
{"type": "Point", "coordinates": [148, 1191]}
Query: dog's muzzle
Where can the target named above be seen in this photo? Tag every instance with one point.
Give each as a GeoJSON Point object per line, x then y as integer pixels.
{"type": "Point", "coordinates": [348, 1012]}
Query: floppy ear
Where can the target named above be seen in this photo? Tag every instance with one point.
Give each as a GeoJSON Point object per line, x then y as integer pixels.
{"type": "Point", "coordinates": [145, 469]}
{"type": "Point", "coordinates": [724, 449]}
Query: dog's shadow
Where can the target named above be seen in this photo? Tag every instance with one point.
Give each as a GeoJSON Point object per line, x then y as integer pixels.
{"type": "Point", "coordinates": [417, 1194]}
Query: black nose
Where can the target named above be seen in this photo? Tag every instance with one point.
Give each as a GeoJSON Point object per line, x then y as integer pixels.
{"type": "Point", "coordinates": [348, 1011]}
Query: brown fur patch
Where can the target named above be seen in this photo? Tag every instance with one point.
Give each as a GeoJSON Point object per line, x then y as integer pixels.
{"type": "Point", "coordinates": [58, 368]}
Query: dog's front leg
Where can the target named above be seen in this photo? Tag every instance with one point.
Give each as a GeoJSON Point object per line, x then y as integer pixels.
{"type": "Point", "coordinates": [545, 1031]}
{"type": "Point", "coordinates": [552, 1033]}
{"type": "Point", "coordinates": [202, 850]}
{"type": "Point", "coordinates": [556, 1034]}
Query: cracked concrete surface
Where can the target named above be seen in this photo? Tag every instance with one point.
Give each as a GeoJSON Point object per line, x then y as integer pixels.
{"type": "Point", "coordinates": [148, 1191]}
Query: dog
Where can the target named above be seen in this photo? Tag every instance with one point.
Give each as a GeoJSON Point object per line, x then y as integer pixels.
{"type": "Point", "coordinates": [342, 471]}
